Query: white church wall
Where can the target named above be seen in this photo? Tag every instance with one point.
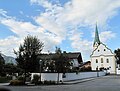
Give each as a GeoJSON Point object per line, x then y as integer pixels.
{"type": "Point", "coordinates": [103, 53]}
{"type": "Point", "coordinates": [102, 50]}
{"type": "Point", "coordinates": [111, 65]}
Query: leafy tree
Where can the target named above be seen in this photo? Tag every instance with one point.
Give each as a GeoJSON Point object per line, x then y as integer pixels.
{"type": "Point", "coordinates": [27, 56]}
{"type": "Point", "coordinates": [62, 62]}
{"type": "Point", "coordinates": [10, 68]}
{"type": "Point", "coordinates": [117, 55]}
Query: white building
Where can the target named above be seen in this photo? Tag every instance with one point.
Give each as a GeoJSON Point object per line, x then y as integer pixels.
{"type": "Point", "coordinates": [102, 57]}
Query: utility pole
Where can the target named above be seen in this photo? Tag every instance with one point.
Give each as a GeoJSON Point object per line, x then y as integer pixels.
{"type": "Point", "coordinates": [40, 69]}
{"type": "Point", "coordinates": [97, 71]}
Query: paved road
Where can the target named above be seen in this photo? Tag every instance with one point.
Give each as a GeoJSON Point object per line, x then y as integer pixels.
{"type": "Point", "coordinates": [106, 83]}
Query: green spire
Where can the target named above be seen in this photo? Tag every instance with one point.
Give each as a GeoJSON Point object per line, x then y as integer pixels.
{"type": "Point", "coordinates": [96, 40]}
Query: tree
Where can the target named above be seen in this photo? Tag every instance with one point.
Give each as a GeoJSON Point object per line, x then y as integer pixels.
{"type": "Point", "coordinates": [27, 56]}
{"type": "Point", "coordinates": [117, 55]}
{"type": "Point", "coordinates": [10, 68]}
{"type": "Point", "coordinates": [2, 63]}
{"type": "Point", "coordinates": [61, 61]}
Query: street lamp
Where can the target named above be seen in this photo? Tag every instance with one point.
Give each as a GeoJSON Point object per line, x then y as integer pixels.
{"type": "Point", "coordinates": [40, 68]}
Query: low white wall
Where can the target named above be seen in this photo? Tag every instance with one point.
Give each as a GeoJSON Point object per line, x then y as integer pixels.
{"type": "Point", "coordinates": [118, 71]}
{"type": "Point", "coordinates": [48, 76]}
{"type": "Point", "coordinates": [82, 75]}
{"type": "Point", "coordinates": [69, 76]}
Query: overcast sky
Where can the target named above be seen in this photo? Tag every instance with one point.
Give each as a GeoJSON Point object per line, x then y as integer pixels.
{"type": "Point", "coordinates": [68, 24]}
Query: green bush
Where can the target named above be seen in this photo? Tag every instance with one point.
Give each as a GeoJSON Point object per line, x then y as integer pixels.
{"type": "Point", "coordinates": [36, 79]}
{"type": "Point", "coordinates": [46, 82]}
{"type": "Point", "coordinates": [16, 83]}
{"type": "Point", "coordinates": [49, 82]}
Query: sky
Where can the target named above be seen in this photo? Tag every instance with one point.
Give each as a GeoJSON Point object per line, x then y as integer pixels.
{"type": "Point", "coordinates": [68, 24]}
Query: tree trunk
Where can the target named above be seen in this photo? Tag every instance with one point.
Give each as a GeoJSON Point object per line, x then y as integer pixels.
{"type": "Point", "coordinates": [24, 76]}
{"type": "Point", "coordinates": [58, 78]}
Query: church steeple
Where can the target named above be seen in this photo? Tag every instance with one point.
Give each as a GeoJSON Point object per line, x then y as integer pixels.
{"type": "Point", "coordinates": [96, 40]}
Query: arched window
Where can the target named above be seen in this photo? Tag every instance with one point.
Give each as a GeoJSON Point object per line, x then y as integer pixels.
{"type": "Point", "coordinates": [104, 50]}
{"type": "Point", "coordinates": [107, 60]}
{"type": "Point", "coordinates": [96, 60]}
{"type": "Point", "coordinates": [101, 60]}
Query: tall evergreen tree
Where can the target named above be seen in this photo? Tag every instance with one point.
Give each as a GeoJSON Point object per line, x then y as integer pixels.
{"type": "Point", "coordinates": [27, 56]}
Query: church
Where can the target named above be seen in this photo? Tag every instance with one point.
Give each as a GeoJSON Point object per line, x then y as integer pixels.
{"type": "Point", "coordinates": [102, 57]}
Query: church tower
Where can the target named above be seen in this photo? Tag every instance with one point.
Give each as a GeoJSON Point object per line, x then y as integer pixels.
{"type": "Point", "coordinates": [96, 40]}
{"type": "Point", "coordinates": [102, 58]}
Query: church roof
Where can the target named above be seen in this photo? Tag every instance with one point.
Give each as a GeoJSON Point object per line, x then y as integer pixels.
{"type": "Point", "coordinates": [96, 40]}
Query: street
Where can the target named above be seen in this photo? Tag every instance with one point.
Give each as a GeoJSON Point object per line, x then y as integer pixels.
{"type": "Point", "coordinates": [105, 83]}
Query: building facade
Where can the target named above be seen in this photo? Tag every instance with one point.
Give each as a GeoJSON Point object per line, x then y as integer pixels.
{"type": "Point", "coordinates": [74, 59]}
{"type": "Point", "coordinates": [102, 57]}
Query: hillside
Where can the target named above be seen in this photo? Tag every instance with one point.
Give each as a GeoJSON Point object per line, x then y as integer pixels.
{"type": "Point", "coordinates": [9, 59]}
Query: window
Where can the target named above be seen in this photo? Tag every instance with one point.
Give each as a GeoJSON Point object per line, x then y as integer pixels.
{"type": "Point", "coordinates": [107, 60]}
{"type": "Point", "coordinates": [101, 60]}
{"type": "Point", "coordinates": [98, 50]}
{"type": "Point", "coordinates": [96, 61]}
{"type": "Point", "coordinates": [104, 50]}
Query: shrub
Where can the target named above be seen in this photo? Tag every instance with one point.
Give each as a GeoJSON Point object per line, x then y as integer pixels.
{"type": "Point", "coordinates": [49, 82]}
{"type": "Point", "coordinates": [16, 82]}
{"type": "Point", "coordinates": [20, 78]}
{"type": "Point", "coordinates": [39, 83]}
{"type": "Point", "coordinates": [46, 82]}
{"type": "Point", "coordinates": [5, 79]}
{"type": "Point", "coordinates": [52, 82]}
{"type": "Point", "coordinates": [35, 79]}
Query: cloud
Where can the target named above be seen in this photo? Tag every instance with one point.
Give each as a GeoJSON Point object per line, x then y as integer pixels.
{"type": "Point", "coordinates": [106, 36]}
{"type": "Point", "coordinates": [79, 44]}
{"type": "Point", "coordinates": [44, 3]}
{"type": "Point", "coordinates": [22, 29]}
{"type": "Point", "coordinates": [3, 12]}
{"type": "Point", "coordinates": [50, 25]}
{"type": "Point", "coordinates": [85, 12]}
{"type": "Point", "coordinates": [58, 21]}
{"type": "Point", "coordinates": [18, 27]}
{"type": "Point", "coordinates": [8, 44]}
